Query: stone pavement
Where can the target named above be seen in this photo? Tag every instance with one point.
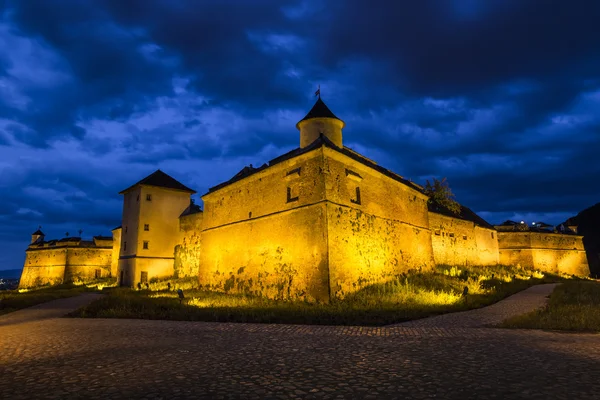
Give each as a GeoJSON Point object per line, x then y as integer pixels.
{"type": "Point", "coordinates": [523, 302]}
{"type": "Point", "coordinates": [61, 358]}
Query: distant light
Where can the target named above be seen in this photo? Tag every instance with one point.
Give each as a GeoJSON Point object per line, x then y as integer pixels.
{"type": "Point", "coordinates": [522, 222]}
{"type": "Point", "coordinates": [533, 223]}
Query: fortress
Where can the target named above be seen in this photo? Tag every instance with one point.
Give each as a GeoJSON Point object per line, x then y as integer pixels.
{"type": "Point", "coordinates": [316, 223]}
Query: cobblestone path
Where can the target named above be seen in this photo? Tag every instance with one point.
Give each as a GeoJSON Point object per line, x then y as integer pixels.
{"type": "Point", "coordinates": [62, 358]}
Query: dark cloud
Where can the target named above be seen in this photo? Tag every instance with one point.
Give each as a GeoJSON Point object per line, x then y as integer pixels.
{"type": "Point", "coordinates": [499, 96]}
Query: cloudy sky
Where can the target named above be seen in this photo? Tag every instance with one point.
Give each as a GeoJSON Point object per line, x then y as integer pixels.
{"type": "Point", "coordinates": [502, 97]}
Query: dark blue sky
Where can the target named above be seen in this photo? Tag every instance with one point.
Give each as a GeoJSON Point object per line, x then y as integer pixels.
{"type": "Point", "coordinates": [500, 96]}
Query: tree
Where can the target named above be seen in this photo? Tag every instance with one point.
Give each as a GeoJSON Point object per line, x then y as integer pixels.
{"type": "Point", "coordinates": [440, 194]}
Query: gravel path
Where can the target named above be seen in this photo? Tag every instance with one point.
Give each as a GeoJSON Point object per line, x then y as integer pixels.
{"type": "Point", "coordinates": [63, 358]}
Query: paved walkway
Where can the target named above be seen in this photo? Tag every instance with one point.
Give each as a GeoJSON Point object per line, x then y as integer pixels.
{"type": "Point", "coordinates": [521, 303]}
{"type": "Point", "coordinates": [62, 358]}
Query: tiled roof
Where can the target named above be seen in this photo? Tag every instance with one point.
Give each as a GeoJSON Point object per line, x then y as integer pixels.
{"type": "Point", "coordinates": [465, 213]}
{"type": "Point", "coordinates": [191, 209]}
{"type": "Point", "coordinates": [319, 142]}
{"type": "Point", "coordinates": [103, 237]}
{"type": "Point", "coordinates": [160, 179]}
{"type": "Point", "coordinates": [38, 232]}
{"type": "Point", "coordinates": [72, 241]}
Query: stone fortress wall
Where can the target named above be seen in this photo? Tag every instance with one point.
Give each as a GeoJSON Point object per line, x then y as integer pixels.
{"type": "Point", "coordinates": [188, 248]}
{"type": "Point", "coordinates": [377, 227]}
{"type": "Point", "coordinates": [266, 234]}
{"type": "Point", "coordinates": [544, 251]}
{"type": "Point", "coordinates": [461, 242]}
{"type": "Point", "coordinates": [66, 260]}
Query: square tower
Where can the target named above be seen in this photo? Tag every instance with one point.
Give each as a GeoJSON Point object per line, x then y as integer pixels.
{"type": "Point", "coordinates": [150, 228]}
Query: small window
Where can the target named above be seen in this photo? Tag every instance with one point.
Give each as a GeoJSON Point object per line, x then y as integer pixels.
{"type": "Point", "coordinates": [437, 232]}
{"type": "Point", "coordinates": [138, 197]}
{"type": "Point", "coordinates": [148, 197]}
{"type": "Point", "coordinates": [249, 215]}
{"type": "Point", "coordinates": [492, 235]}
{"type": "Point", "coordinates": [353, 175]}
{"type": "Point", "coordinates": [146, 227]}
{"type": "Point", "coordinates": [145, 245]}
{"type": "Point", "coordinates": [464, 237]}
{"type": "Point", "coordinates": [291, 198]}
{"type": "Point", "coordinates": [125, 229]}
{"type": "Point", "coordinates": [451, 234]}
{"type": "Point", "coordinates": [357, 199]}
{"type": "Point", "coordinates": [98, 274]}
{"type": "Point", "coordinates": [124, 245]}
{"type": "Point", "coordinates": [295, 171]}
{"type": "Point", "coordinates": [144, 277]}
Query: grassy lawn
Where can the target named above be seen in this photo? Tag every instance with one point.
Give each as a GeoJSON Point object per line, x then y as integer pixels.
{"type": "Point", "coordinates": [13, 300]}
{"type": "Point", "coordinates": [411, 296]}
{"type": "Point", "coordinates": [573, 306]}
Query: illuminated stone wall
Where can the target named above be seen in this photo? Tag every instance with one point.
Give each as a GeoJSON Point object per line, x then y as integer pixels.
{"type": "Point", "coordinates": [281, 256]}
{"type": "Point", "coordinates": [549, 252]}
{"type": "Point", "coordinates": [157, 268]}
{"type": "Point", "coordinates": [293, 230]}
{"type": "Point", "coordinates": [187, 252]}
{"type": "Point", "coordinates": [44, 267]}
{"type": "Point", "coordinates": [377, 237]}
{"type": "Point", "coordinates": [459, 242]}
{"type": "Point", "coordinates": [266, 234]}
{"type": "Point", "coordinates": [116, 250]}
{"type": "Point", "coordinates": [64, 263]}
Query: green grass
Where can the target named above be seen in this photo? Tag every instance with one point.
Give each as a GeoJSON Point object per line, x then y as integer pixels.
{"type": "Point", "coordinates": [410, 296]}
{"type": "Point", "coordinates": [13, 300]}
{"type": "Point", "coordinates": [573, 306]}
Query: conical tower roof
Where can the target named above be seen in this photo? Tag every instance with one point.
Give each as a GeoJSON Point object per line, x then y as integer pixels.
{"type": "Point", "coordinates": [319, 110]}
{"type": "Point", "coordinates": [160, 179]}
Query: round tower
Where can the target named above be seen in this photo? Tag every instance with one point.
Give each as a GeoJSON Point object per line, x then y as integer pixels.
{"type": "Point", "coordinates": [320, 120]}
{"type": "Point", "coordinates": [37, 236]}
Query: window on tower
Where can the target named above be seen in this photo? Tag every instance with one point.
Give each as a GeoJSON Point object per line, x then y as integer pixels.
{"type": "Point", "coordinates": [146, 227]}
{"type": "Point", "coordinates": [148, 197]}
{"type": "Point", "coordinates": [145, 245]}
